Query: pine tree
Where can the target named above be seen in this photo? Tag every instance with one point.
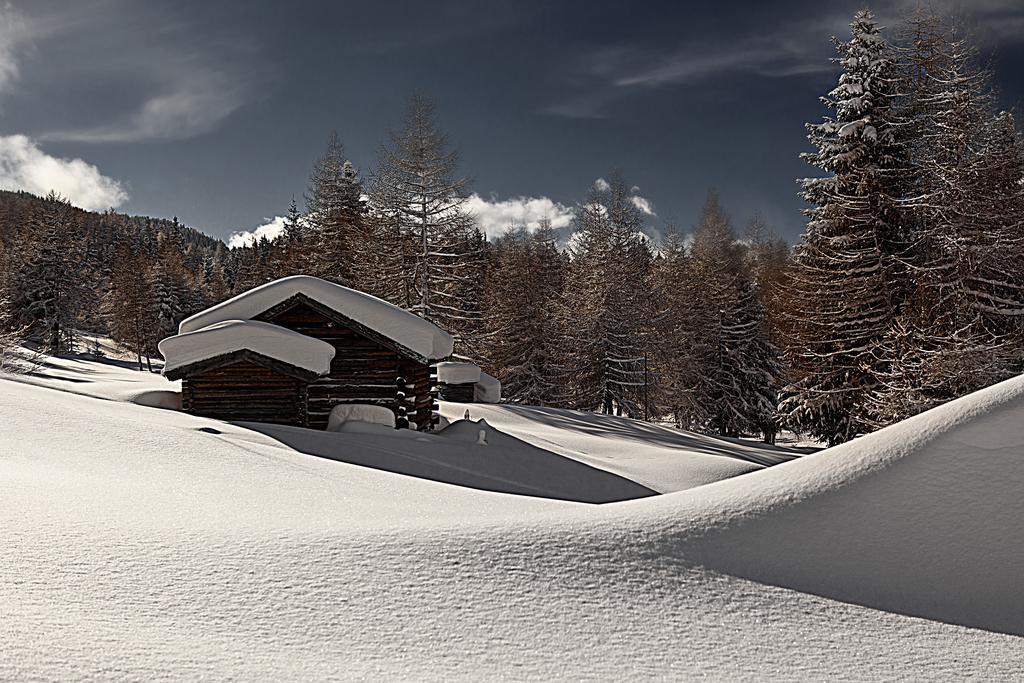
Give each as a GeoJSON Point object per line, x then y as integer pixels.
{"type": "Point", "coordinates": [605, 311]}
{"type": "Point", "coordinates": [128, 307]}
{"type": "Point", "coordinates": [334, 214]}
{"type": "Point", "coordinates": [419, 201]}
{"type": "Point", "coordinates": [171, 297]}
{"type": "Point", "coordinates": [678, 347]}
{"type": "Point", "coordinates": [845, 286]}
{"type": "Point", "coordinates": [736, 370]}
{"type": "Point", "coordinates": [51, 284]}
{"type": "Point", "coordinates": [291, 249]}
{"type": "Point", "coordinates": [11, 334]}
{"type": "Point", "coordinates": [958, 328]}
{"type": "Point", "coordinates": [520, 343]}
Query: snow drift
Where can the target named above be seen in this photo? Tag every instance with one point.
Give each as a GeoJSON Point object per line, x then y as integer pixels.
{"type": "Point", "coordinates": [925, 517]}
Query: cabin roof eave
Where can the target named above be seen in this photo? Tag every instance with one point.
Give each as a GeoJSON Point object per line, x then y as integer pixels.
{"type": "Point", "coordinates": [240, 356]}
{"type": "Point", "coordinates": [299, 298]}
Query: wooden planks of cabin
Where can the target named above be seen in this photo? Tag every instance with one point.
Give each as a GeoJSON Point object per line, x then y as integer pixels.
{"type": "Point", "coordinates": [365, 369]}
{"type": "Point", "coordinates": [244, 390]}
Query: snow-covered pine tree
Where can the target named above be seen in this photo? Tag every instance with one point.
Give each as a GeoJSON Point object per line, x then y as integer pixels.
{"type": "Point", "coordinates": [1000, 281]}
{"type": "Point", "coordinates": [756, 360]}
{"type": "Point", "coordinates": [520, 342]}
{"type": "Point", "coordinates": [677, 348]}
{"type": "Point", "coordinates": [128, 307]}
{"type": "Point", "coordinates": [50, 284]}
{"type": "Point", "coordinates": [291, 248]}
{"type": "Point", "coordinates": [11, 333]}
{"type": "Point", "coordinates": [735, 383]}
{"type": "Point", "coordinates": [171, 297]}
{"type": "Point", "coordinates": [605, 311]}
{"type": "Point", "coordinates": [420, 205]}
{"type": "Point", "coordinates": [334, 215]}
{"type": "Point", "coordinates": [843, 289]}
{"type": "Point", "coordinates": [959, 328]}
{"type": "Point", "coordinates": [213, 282]}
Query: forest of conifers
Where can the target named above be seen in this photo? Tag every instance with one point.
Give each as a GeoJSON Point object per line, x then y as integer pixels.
{"type": "Point", "coordinates": [905, 291]}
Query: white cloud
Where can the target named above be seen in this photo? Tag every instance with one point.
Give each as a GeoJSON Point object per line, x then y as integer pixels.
{"type": "Point", "coordinates": [192, 106]}
{"type": "Point", "coordinates": [496, 215]}
{"type": "Point", "coordinates": [643, 204]}
{"type": "Point", "coordinates": [601, 185]}
{"type": "Point", "coordinates": [23, 166]}
{"type": "Point", "coordinates": [270, 230]}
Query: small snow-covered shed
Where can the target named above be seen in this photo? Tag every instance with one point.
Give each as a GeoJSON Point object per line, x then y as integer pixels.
{"type": "Point", "coordinates": [465, 383]}
{"type": "Point", "coordinates": [382, 354]}
{"type": "Point", "coordinates": [246, 370]}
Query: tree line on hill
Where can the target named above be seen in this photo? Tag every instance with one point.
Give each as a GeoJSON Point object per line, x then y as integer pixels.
{"type": "Point", "coordinates": [906, 290]}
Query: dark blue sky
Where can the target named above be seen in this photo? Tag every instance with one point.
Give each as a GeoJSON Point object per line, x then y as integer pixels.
{"type": "Point", "coordinates": [214, 112]}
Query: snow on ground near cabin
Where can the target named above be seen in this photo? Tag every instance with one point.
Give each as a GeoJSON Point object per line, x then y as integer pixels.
{"type": "Point", "coordinates": [145, 544]}
{"type": "Point", "coordinates": [637, 466]}
{"type": "Point", "coordinates": [115, 376]}
{"type": "Point", "coordinates": [401, 326]}
{"type": "Point", "coordinates": [461, 455]}
{"type": "Point", "coordinates": [228, 336]}
{"type": "Point", "coordinates": [660, 458]}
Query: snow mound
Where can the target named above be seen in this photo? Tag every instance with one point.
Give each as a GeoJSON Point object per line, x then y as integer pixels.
{"type": "Point", "coordinates": [923, 517]}
{"type": "Point", "coordinates": [660, 458]}
{"type": "Point", "coordinates": [358, 412]}
{"type": "Point", "coordinates": [398, 325]}
{"type": "Point", "coordinates": [487, 389]}
{"type": "Point", "coordinates": [227, 336]}
{"type": "Point", "coordinates": [458, 373]}
{"type": "Point", "coordinates": [156, 398]}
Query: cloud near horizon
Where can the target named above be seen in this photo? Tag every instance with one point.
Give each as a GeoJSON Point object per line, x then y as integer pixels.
{"type": "Point", "coordinates": [497, 215]}
{"type": "Point", "coordinates": [24, 166]}
{"type": "Point", "coordinates": [270, 230]}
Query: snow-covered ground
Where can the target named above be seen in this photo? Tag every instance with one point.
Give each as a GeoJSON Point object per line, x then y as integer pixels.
{"type": "Point", "coordinates": [535, 451]}
{"type": "Point", "coordinates": [661, 458]}
{"type": "Point", "coordinates": [143, 543]}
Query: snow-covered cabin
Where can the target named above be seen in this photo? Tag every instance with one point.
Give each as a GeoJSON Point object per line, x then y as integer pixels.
{"type": "Point", "coordinates": [466, 383]}
{"type": "Point", "coordinates": [380, 355]}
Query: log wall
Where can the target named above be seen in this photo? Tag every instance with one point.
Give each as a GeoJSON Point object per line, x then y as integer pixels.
{"type": "Point", "coordinates": [363, 370]}
{"type": "Point", "coordinates": [458, 393]}
{"type": "Point", "coordinates": [245, 391]}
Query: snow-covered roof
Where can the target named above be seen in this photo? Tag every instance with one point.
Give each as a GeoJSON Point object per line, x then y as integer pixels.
{"type": "Point", "coordinates": [458, 373]}
{"type": "Point", "coordinates": [228, 336]}
{"type": "Point", "coordinates": [400, 326]}
{"type": "Point", "coordinates": [487, 389]}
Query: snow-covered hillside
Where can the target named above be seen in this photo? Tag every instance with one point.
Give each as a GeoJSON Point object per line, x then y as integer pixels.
{"type": "Point", "coordinates": [143, 543]}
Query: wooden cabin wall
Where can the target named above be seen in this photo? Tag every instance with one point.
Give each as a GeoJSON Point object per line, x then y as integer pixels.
{"type": "Point", "coordinates": [362, 371]}
{"type": "Point", "coordinates": [245, 391]}
{"type": "Point", "coordinates": [459, 393]}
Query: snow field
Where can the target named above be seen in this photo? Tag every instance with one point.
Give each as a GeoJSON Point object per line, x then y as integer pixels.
{"type": "Point", "coordinates": [151, 544]}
